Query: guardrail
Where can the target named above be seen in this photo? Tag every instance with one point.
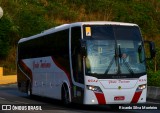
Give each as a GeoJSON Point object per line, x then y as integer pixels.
{"type": "Point", "coordinates": [153, 92]}
{"type": "Point", "coordinates": [7, 79]}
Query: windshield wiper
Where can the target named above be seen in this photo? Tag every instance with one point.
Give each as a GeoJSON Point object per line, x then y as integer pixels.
{"type": "Point", "coordinates": [129, 68]}
{"type": "Point", "coordinates": [110, 64]}
{"type": "Point", "coordinates": [112, 61]}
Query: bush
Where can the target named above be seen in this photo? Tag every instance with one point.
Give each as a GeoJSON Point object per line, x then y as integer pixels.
{"type": "Point", "coordinates": [154, 78]}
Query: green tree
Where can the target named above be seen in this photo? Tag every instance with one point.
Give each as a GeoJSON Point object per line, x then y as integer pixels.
{"type": "Point", "coordinates": [5, 29]}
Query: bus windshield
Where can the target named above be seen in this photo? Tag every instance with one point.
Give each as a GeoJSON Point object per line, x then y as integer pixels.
{"type": "Point", "coordinates": [114, 51]}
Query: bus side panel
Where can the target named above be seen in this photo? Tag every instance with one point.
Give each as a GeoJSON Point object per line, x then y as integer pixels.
{"type": "Point", "coordinates": [48, 76]}
{"type": "Point", "coordinates": [46, 58]}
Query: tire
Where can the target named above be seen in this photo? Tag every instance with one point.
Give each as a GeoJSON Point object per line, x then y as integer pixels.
{"type": "Point", "coordinates": [65, 95]}
{"type": "Point", "coordinates": [29, 90]}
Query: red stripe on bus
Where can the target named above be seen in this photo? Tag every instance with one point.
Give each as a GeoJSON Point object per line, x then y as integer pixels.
{"type": "Point", "coordinates": [26, 69]}
{"type": "Point", "coordinates": [62, 68]}
{"type": "Point", "coordinates": [136, 97]}
{"type": "Point", "coordinates": [100, 97]}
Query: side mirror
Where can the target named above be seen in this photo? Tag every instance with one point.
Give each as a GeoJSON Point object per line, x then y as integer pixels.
{"type": "Point", "coordinates": [150, 49]}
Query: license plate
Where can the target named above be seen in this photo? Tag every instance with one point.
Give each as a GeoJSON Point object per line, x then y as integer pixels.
{"type": "Point", "coordinates": [116, 98]}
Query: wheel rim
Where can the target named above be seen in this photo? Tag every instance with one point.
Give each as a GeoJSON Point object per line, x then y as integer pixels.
{"type": "Point", "coordinates": [65, 95]}
{"type": "Point", "coordinates": [29, 90]}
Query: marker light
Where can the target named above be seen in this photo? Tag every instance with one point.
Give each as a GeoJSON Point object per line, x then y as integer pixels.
{"type": "Point", "coordinates": [94, 88]}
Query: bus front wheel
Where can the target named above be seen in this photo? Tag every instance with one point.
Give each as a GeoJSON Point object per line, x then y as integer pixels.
{"type": "Point", "coordinates": [65, 95]}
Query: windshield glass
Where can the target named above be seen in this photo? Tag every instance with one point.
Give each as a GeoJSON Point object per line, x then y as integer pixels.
{"type": "Point", "coordinates": [114, 50]}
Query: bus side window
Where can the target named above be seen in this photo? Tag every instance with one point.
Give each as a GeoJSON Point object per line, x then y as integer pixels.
{"type": "Point", "coordinates": [76, 55]}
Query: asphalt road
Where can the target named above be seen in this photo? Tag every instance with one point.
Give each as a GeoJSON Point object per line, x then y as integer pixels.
{"type": "Point", "coordinates": [10, 96]}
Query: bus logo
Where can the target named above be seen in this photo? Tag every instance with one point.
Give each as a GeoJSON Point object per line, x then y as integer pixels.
{"type": "Point", "coordinates": [6, 107]}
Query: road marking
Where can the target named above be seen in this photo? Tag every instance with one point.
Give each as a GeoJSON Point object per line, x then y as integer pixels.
{"type": "Point", "coordinates": [21, 102]}
{"type": "Point", "coordinates": [2, 98]}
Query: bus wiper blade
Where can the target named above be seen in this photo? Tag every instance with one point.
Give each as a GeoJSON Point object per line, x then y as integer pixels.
{"type": "Point", "coordinates": [129, 68]}
{"type": "Point", "coordinates": [113, 59]}
{"type": "Point", "coordinates": [110, 64]}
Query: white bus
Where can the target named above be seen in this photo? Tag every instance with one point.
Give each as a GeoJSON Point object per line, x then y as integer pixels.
{"type": "Point", "coordinates": [85, 62]}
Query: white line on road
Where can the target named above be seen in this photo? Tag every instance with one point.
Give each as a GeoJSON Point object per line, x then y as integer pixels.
{"type": "Point", "coordinates": [2, 98]}
{"type": "Point", "coordinates": [21, 102]}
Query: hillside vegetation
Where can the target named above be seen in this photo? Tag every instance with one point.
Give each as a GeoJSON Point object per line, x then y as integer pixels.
{"type": "Point", "coordinates": [23, 18]}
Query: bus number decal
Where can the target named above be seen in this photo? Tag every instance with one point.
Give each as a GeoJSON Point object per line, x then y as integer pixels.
{"type": "Point", "coordinates": [92, 80]}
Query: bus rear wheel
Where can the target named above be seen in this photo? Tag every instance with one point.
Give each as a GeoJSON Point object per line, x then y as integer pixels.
{"type": "Point", "coordinates": [65, 95]}
{"type": "Point", "coordinates": [29, 90]}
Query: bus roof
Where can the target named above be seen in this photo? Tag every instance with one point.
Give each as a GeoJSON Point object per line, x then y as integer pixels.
{"type": "Point", "coordinates": [65, 26]}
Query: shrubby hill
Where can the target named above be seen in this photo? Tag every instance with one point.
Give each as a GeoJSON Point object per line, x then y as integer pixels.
{"type": "Point", "coordinates": [23, 18]}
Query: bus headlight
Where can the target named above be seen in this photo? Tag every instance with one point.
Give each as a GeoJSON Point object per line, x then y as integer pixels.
{"type": "Point", "coordinates": [94, 88]}
{"type": "Point", "coordinates": [141, 87]}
